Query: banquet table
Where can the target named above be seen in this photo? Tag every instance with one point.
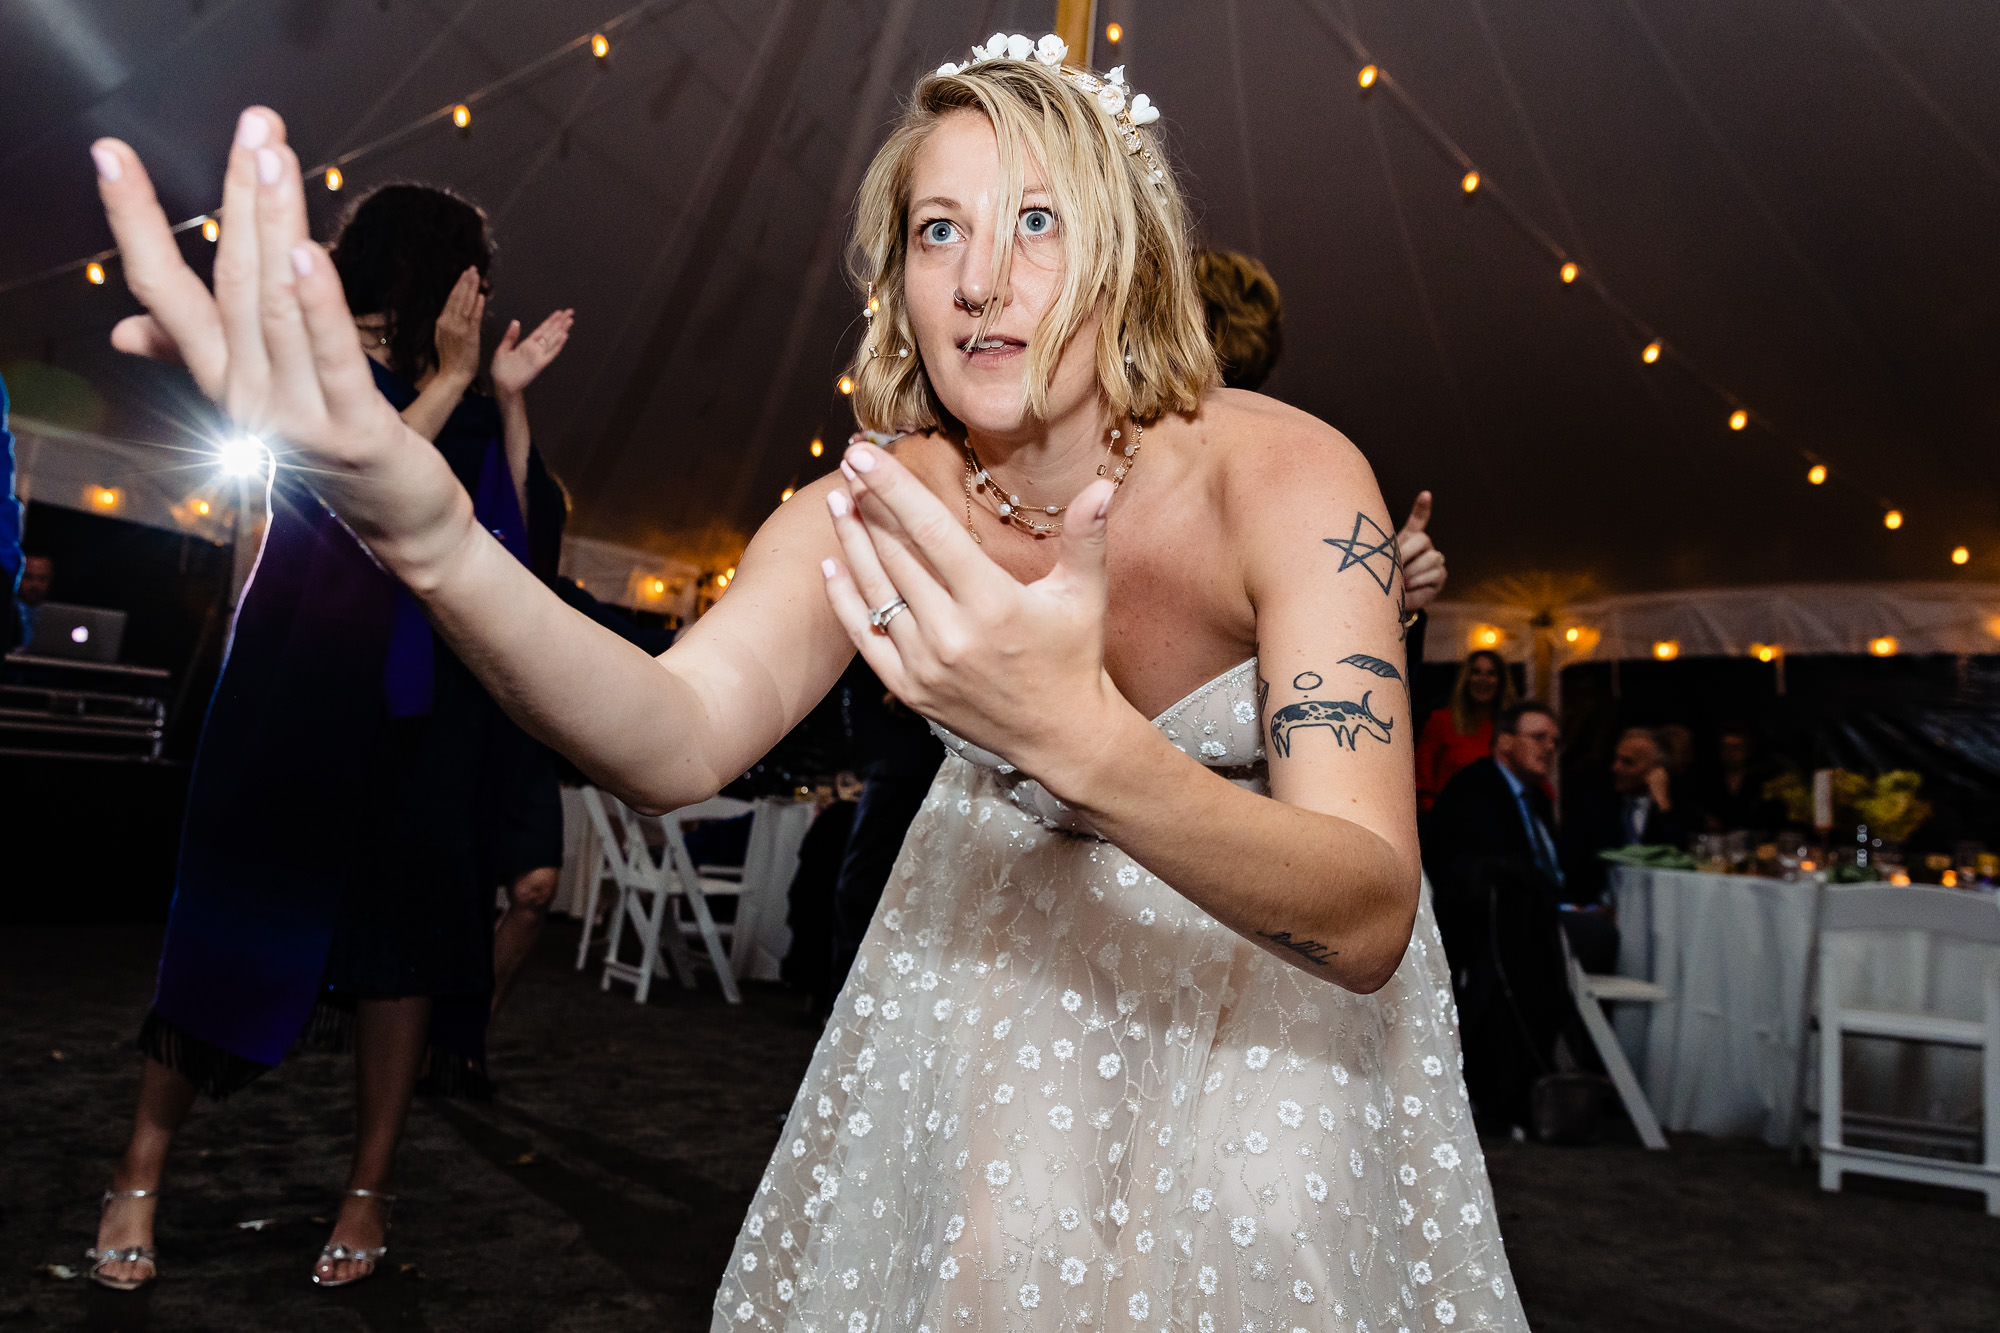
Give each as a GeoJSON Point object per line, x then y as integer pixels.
{"type": "Point", "coordinates": [1719, 1055]}
{"type": "Point", "coordinates": [760, 936]}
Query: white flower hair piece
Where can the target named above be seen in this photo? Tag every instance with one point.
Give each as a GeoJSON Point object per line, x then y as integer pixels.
{"type": "Point", "coordinates": [1128, 111]}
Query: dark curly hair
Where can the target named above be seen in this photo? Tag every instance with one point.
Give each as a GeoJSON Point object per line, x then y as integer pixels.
{"type": "Point", "coordinates": [400, 249]}
{"type": "Point", "coordinates": [1246, 316]}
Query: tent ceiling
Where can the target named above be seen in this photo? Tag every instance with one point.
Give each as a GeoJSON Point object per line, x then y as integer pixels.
{"type": "Point", "coordinates": [1799, 195]}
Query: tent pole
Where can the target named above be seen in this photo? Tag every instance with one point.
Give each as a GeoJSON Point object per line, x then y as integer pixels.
{"type": "Point", "coordinates": [1076, 24]}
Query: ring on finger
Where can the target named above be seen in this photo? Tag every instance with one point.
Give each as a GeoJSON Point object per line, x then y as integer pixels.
{"type": "Point", "coordinates": [882, 615]}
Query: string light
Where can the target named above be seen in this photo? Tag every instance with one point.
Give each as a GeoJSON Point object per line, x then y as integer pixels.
{"type": "Point", "coordinates": [105, 497]}
{"type": "Point", "coordinates": [202, 507]}
{"type": "Point", "coordinates": [1893, 519]}
{"type": "Point", "coordinates": [729, 573]}
{"type": "Point", "coordinates": [1765, 652]}
{"type": "Point", "coordinates": [818, 446]}
{"type": "Point", "coordinates": [210, 229]}
{"type": "Point", "coordinates": [1113, 33]}
{"type": "Point", "coordinates": [461, 115]}
{"type": "Point", "coordinates": [1470, 182]}
{"type": "Point", "coordinates": [1884, 646]}
{"type": "Point", "coordinates": [1651, 354]}
{"type": "Point", "coordinates": [1569, 273]}
{"type": "Point", "coordinates": [785, 494]}
{"type": "Point", "coordinates": [600, 45]}
{"type": "Point", "coordinates": [1960, 555]}
{"type": "Point", "coordinates": [1738, 419]}
{"type": "Point", "coordinates": [1486, 636]}
{"type": "Point", "coordinates": [1817, 475]}
{"type": "Point", "coordinates": [846, 384]}
{"type": "Point", "coordinates": [658, 587]}
{"type": "Point", "coordinates": [1572, 634]}
{"type": "Point", "coordinates": [721, 581]}
{"type": "Point", "coordinates": [1368, 76]}
{"type": "Point", "coordinates": [1666, 650]}
{"type": "Point", "coordinates": [334, 180]}
{"type": "Point", "coordinates": [93, 273]}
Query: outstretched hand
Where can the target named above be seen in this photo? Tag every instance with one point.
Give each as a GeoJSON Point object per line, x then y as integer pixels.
{"type": "Point", "coordinates": [1015, 668]}
{"type": "Point", "coordinates": [274, 345]}
{"type": "Point", "coordinates": [1423, 563]}
{"type": "Point", "coordinates": [517, 361]}
{"type": "Point", "coordinates": [456, 333]}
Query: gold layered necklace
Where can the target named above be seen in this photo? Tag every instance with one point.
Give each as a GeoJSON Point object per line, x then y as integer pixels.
{"type": "Point", "coordinates": [1044, 520]}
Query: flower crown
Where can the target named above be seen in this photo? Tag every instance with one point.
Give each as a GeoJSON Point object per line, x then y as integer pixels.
{"type": "Point", "coordinates": [1113, 98]}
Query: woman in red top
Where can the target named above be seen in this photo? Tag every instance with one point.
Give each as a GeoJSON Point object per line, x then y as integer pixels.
{"type": "Point", "coordinates": [1462, 730]}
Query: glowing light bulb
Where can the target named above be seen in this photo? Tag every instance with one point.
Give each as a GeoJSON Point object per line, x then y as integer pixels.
{"type": "Point", "coordinates": [93, 273]}
{"type": "Point", "coordinates": [1113, 33]}
{"type": "Point", "coordinates": [657, 587]}
{"type": "Point", "coordinates": [1368, 76]}
{"type": "Point", "coordinates": [104, 497]}
{"type": "Point", "coordinates": [785, 494]}
{"type": "Point", "coordinates": [1884, 646]}
{"type": "Point", "coordinates": [600, 45]}
{"type": "Point", "coordinates": [1893, 519]}
{"type": "Point", "coordinates": [1572, 634]}
{"type": "Point", "coordinates": [1666, 650]}
{"type": "Point", "coordinates": [1470, 182]}
{"type": "Point", "coordinates": [202, 507]}
{"type": "Point", "coordinates": [1569, 273]}
{"type": "Point", "coordinates": [1486, 636]}
{"type": "Point", "coordinates": [1738, 419]}
{"type": "Point", "coordinates": [334, 180]}
{"type": "Point", "coordinates": [818, 446]}
{"type": "Point", "coordinates": [210, 229]}
{"type": "Point", "coordinates": [846, 384]}
{"type": "Point", "coordinates": [1960, 555]}
{"type": "Point", "coordinates": [1764, 652]}
{"type": "Point", "coordinates": [722, 580]}
{"type": "Point", "coordinates": [1817, 474]}
{"type": "Point", "coordinates": [729, 573]}
{"type": "Point", "coordinates": [243, 456]}
{"type": "Point", "coordinates": [1651, 354]}
{"type": "Point", "coordinates": [461, 115]}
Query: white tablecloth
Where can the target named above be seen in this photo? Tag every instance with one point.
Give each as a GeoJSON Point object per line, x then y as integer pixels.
{"type": "Point", "coordinates": [761, 936]}
{"type": "Point", "coordinates": [1720, 1055]}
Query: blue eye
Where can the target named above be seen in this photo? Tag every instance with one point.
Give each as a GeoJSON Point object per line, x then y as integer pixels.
{"type": "Point", "coordinates": [1037, 222]}
{"type": "Point", "coordinates": [939, 232]}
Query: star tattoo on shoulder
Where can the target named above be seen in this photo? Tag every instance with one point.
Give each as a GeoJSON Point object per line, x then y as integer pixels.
{"type": "Point", "coordinates": [1373, 549]}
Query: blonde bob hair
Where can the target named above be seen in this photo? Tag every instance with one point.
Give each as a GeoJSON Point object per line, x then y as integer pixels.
{"type": "Point", "coordinates": [1125, 247]}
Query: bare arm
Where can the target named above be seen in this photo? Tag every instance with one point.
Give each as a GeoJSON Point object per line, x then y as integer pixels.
{"type": "Point", "coordinates": [434, 404]}
{"type": "Point", "coordinates": [516, 363]}
{"type": "Point", "coordinates": [275, 344]}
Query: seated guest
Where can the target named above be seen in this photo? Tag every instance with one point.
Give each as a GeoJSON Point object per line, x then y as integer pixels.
{"type": "Point", "coordinates": [1490, 851]}
{"type": "Point", "coordinates": [1638, 807]}
{"type": "Point", "coordinates": [1462, 730]}
{"type": "Point", "coordinates": [1734, 797]}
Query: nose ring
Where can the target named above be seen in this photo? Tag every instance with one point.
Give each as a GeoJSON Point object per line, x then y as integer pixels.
{"type": "Point", "coordinates": [970, 307]}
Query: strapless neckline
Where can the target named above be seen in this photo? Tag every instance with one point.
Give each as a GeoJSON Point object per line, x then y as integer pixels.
{"type": "Point", "coordinates": [1205, 688]}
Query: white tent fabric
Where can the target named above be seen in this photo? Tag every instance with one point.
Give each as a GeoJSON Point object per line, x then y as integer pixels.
{"type": "Point", "coordinates": [1794, 618]}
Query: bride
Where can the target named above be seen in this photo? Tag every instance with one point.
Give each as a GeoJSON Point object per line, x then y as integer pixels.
{"type": "Point", "coordinates": [1152, 1028]}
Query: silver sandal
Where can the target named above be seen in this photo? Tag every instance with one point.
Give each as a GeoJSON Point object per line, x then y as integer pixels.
{"type": "Point", "coordinates": [131, 1254]}
{"type": "Point", "coordinates": [333, 1254]}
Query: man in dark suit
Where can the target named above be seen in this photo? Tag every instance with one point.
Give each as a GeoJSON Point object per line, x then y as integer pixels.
{"type": "Point", "coordinates": [1638, 806]}
{"type": "Point", "coordinates": [1490, 850]}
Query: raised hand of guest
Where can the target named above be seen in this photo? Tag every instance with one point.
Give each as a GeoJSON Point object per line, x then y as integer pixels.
{"type": "Point", "coordinates": [1423, 563]}
{"type": "Point", "coordinates": [457, 329]}
{"type": "Point", "coordinates": [274, 344]}
{"type": "Point", "coordinates": [1015, 668]}
{"type": "Point", "coordinates": [517, 361]}
{"type": "Point", "coordinates": [1660, 786]}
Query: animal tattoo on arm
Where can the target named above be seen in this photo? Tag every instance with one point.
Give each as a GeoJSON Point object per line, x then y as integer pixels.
{"type": "Point", "coordinates": [1347, 720]}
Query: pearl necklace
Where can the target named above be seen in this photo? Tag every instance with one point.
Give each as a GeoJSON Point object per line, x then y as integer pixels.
{"type": "Point", "coordinates": [1010, 508]}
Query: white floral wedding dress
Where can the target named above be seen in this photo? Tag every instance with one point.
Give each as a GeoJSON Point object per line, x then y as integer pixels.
{"type": "Point", "coordinates": [1057, 1095]}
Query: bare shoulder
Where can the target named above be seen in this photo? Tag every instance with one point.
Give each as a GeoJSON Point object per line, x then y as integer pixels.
{"type": "Point", "coordinates": [1273, 460]}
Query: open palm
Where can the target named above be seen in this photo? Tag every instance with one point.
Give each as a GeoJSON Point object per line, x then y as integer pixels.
{"type": "Point", "coordinates": [518, 360]}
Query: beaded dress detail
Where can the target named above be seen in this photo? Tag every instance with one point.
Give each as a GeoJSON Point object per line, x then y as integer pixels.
{"type": "Point", "coordinates": [1055, 1094]}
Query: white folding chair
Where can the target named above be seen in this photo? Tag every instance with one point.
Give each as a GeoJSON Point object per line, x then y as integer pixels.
{"type": "Point", "coordinates": [645, 888]}
{"type": "Point", "coordinates": [697, 884]}
{"type": "Point", "coordinates": [595, 848]}
{"type": "Point", "coordinates": [1954, 914]}
{"type": "Point", "coordinates": [1592, 993]}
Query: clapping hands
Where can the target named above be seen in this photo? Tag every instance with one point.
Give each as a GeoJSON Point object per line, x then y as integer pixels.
{"type": "Point", "coordinates": [517, 361]}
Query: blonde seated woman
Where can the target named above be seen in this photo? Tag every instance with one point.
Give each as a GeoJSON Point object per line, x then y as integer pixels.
{"type": "Point", "coordinates": [1151, 1028]}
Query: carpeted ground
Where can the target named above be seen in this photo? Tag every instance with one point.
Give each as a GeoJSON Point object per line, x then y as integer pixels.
{"type": "Point", "coordinates": [602, 1189]}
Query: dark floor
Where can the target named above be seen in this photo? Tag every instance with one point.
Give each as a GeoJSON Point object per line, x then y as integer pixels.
{"type": "Point", "coordinates": [603, 1188]}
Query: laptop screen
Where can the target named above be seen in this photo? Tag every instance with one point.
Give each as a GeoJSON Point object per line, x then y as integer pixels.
{"type": "Point", "coordinates": [80, 633]}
